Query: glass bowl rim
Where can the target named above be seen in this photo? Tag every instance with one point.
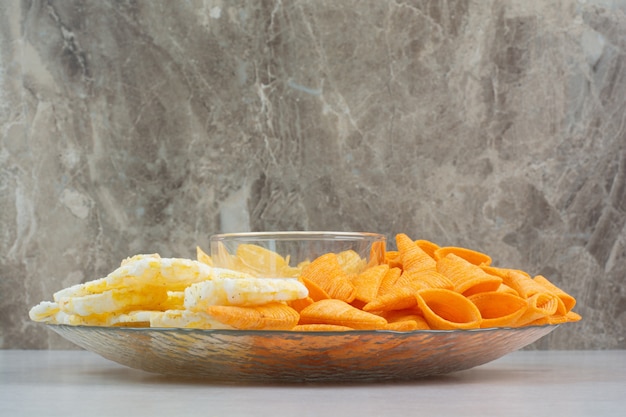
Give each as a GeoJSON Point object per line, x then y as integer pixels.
{"type": "Point", "coordinates": [299, 235]}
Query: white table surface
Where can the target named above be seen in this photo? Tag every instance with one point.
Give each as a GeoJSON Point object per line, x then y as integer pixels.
{"type": "Point", "coordinates": [526, 383]}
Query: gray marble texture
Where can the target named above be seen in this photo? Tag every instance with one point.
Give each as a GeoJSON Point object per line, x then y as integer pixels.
{"type": "Point", "coordinates": [146, 126]}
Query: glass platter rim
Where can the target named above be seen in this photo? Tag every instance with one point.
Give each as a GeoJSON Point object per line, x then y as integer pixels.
{"type": "Point", "coordinates": [304, 332]}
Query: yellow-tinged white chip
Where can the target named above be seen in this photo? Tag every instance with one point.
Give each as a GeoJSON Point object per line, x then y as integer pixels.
{"type": "Point", "coordinates": [62, 317]}
{"type": "Point", "coordinates": [173, 273]}
{"type": "Point", "coordinates": [175, 301]}
{"type": "Point", "coordinates": [185, 319]}
{"type": "Point", "coordinates": [135, 318]}
{"type": "Point", "coordinates": [115, 301]}
{"type": "Point", "coordinates": [243, 292]}
{"type": "Point", "coordinates": [179, 273]}
{"type": "Point", "coordinates": [135, 258]}
{"type": "Point", "coordinates": [50, 312]}
{"type": "Point", "coordinates": [80, 290]}
{"type": "Point", "coordinates": [44, 311]}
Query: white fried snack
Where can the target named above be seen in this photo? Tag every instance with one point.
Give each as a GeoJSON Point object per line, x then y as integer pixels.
{"type": "Point", "coordinates": [242, 292]}
{"type": "Point", "coordinates": [148, 290]}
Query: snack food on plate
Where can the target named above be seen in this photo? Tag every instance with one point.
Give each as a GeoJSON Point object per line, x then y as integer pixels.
{"type": "Point", "coordinates": [420, 286]}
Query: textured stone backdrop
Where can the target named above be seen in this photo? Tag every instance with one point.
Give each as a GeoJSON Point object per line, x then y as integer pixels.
{"type": "Point", "coordinates": [146, 126]}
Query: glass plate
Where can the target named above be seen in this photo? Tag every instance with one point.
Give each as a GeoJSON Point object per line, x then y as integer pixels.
{"type": "Point", "coordinates": [287, 356]}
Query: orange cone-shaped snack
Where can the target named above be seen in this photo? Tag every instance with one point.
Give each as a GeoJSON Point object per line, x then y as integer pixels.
{"type": "Point", "coordinates": [425, 278]}
{"type": "Point", "coordinates": [499, 309]}
{"type": "Point", "coordinates": [494, 270]}
{"type": "Point", "coordinates": [507, 289]}
{"type": "Point", "coordinates": [389, 280]}
{"type": "Point", "coordinates": [572, 316]}
{"type": "Point", "coordinates": [409, 315]}
{"type": "Point", "coordinates": [340, 313]}
{"type": "Point", "coordinates": [300, 303]}
{"type": "Point", "coordinates": [521, 282]}
{"type": "Point", "coordinates": [468, 278]}
{"type": "Point", "coordinates": [315, 291]}
{"type": "Point", "coordinates": [367, 283]}
{"type": "Point", "coordinates": [402, 293]}
{"type": "Point", "coordinates": [412, 256]}
{"type": "Point", "coordinates": [393, 259]}
{"type": "Point", "coordinates": [540, 305]}
{"type": "Point", "coordinates": [556, 319]}
{"type": "Point", "coordinates": [527, 287]}
{"type": "Point", "coordinates": [471, 256]}
{"type": "Point", "coordinates": [399, 298]}
{"type": "Point", "coordinates": [326, 272]}
{"type": "Point", "coordinates": [427, 246]}
{"type": "Point", "coordinates": [568, 301]}
{"type": "Point", "coordinates": [273, 316]}
{"type": "Point", "coordinates": [447, 310]}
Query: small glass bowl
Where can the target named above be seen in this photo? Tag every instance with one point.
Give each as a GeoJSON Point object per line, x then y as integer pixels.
{"type": "Point", "coordinates": [283, 254]}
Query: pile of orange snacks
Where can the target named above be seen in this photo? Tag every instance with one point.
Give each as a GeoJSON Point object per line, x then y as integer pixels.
{"type": "Point", "coordinates": [420, 286]}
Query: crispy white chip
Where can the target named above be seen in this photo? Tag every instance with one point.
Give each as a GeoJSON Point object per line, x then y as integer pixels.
{"type": "Point", "coordinates": [137, 317]}
{"type": "Point", "coordinates": [173, 273]}
{"type": "Point", "coordinates": [242, 292]}
{"type": "Point", "coordinates": [115, 301]}
{"type": "Point", "coordinates": [44, 311]}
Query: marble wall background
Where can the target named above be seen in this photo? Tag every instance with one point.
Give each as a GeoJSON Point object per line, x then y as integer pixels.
{"type": "Point", "coordinates": [146, 126]}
